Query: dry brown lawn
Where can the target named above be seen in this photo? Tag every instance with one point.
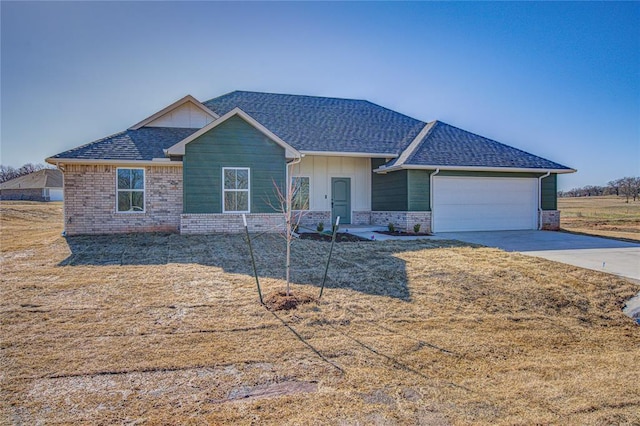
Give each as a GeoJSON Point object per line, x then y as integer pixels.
{"type": "Point", "coordinates": [604, 216]}
{"type": "Point", "coordinates": [166, 329]}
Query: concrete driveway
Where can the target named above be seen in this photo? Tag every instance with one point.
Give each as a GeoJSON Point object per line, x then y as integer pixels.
{"type": "Point", "coordinates": [600, 254]}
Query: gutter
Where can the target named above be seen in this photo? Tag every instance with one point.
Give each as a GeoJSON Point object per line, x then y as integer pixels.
{"type": "Point", "coordinates": [540, 198]}
{"type": "Point", "coordinates": [394, 168]}
{"type": "Point", "coordinates": [431, 195]}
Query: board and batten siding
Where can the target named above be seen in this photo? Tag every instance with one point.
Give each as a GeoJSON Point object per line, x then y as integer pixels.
{"type": "Point", "coordinates": [234, 143]}
{"type": "Point", "coordinates": [388, 191]}
{"type": "Point", "coordinates": [187, 116]}
{"type": "Point", "coordinates": [320, 169]}
{"type": "Point", "coordinates": [549, 193]}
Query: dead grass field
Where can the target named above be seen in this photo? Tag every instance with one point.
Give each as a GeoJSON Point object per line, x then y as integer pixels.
{"type": "Point", "coordinates": [166, 329]}
{"type": "Point", "coordinates": [605, 216]}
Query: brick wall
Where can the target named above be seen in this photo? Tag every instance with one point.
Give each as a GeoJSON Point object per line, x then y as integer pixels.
{"type": "Point", "coordinates": [403, 220]}
{"type": "Point", "coordinates": [310, 219]}
{"type": "Point", "coordinates": [90, 201]}
{"type": "Point", "coordinates": [31, 194]}
{"type": "Point", "coordinates": [210, 223]}
{"type": "Point", "coordinates": [550, 220]}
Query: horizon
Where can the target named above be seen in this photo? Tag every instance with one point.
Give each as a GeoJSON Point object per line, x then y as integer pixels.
{"type": "Point", "coordinates": [558, 80]}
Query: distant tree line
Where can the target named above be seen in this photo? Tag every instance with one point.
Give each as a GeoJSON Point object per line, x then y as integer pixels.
{"type": "Point", "coordinates": [8, 172]}
{"type": "Point", "coordinates": [628, 187]}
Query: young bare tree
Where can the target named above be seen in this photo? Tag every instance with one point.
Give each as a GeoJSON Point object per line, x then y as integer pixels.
{"type": "Point", "coordinates": [292, 201]}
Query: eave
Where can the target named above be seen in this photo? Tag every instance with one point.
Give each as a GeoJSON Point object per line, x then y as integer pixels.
{"type": "Point", "coordinates": [155, 162]}
{"type": "Point", "coordinates": [383, 170]}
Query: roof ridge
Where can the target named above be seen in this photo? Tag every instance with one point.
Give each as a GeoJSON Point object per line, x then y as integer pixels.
{"type": "Point", "coordinates": [408, 152]}
{"type": "Point", "coordinates": [301, 96]}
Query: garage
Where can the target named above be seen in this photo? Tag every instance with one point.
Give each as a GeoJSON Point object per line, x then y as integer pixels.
{"type": "Point", "coordinates": [484, 204]}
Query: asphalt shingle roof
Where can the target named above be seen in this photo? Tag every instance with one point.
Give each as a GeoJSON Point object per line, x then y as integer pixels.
{"type": "Point", "coordinates": [145, 143]}
{"type": "Point", "coordinates": [446, 145]}
{"type": "Point", "coordinates": [46, 178]}
{"type": "Point", "coordinates": [311, 123]}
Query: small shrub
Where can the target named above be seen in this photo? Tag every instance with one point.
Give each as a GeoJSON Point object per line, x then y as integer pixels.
{"type": "Point", "coordinates": [391, 227]}
{"type": "Point", "coordinates": [320, 227]}
{"type": "Point", "coordinates": [416, 228]}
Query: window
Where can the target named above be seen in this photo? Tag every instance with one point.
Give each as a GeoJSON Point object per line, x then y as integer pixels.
{"type": "Point", "coordinates": [300, 188]}
{"type": "Point", "coordinates": [235, 190]}
{"type": "Point", "coordinates": [130, 190]}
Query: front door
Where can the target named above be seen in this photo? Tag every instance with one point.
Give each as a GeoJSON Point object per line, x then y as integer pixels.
{"type": "Point", "coordinates": [341, 200]}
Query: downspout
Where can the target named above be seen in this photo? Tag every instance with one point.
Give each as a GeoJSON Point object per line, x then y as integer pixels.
{"type": "Point", "coordinates": [540, 199]}
{"type": "Point", "coordinates": [431, 194]}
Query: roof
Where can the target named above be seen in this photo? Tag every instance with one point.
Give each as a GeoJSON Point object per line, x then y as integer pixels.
{"type": "Point", "coordinates": [145, 143]}
{"type": "Point", "coordinates": [45, 178]}
{"type": "Point", "coordinates": [446, 145]}
{"type": "Point", "coordinates": [316, 125]}
{"type": "Point", "coordinates": [312, 123]}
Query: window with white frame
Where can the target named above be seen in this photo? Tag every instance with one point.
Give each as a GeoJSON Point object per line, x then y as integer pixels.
{"type": "Point", "coordinates": [300, 191]}
{"type": "Point", "coordinates": [235, 190]}
{"type": "Point", "coordinates": [130, 190]}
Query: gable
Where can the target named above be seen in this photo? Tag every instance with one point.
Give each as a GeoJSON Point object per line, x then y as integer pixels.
{"type": "Point", "coordinates": [187, 115]}
{"type": "Point", "coordinates": [233, 143]}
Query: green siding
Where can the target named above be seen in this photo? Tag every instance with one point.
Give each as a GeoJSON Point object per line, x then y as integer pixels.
{"type": "Point", "coordinates": [234, 143]}
{"type": "Point", "coordinates": [409, 190]}
{"type": "Point", "coordinates": [388, 191]}
{"type": "Point", "coordinates": [549, 193]}
{"type": "Point", "coordinates": [418, 190]}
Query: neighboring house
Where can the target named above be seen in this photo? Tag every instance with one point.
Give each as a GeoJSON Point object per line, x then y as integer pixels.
{"type": "Point", "coordinates": [43, 185]}
{"type": "Point", "coordinates": [195, 167]}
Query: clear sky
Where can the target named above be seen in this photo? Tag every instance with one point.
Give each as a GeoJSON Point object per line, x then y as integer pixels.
{"type": "Point", "coordinates": [560, 80]}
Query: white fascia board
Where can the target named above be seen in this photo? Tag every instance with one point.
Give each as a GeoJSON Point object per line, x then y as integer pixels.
{"type": "Point", "coordinates": [173, 106]}
{"type": "Point", "coordinates": [154, 162]}
{"type": "Point", "coordinates": [473, 169]}
{"type": "Point", "coordinates": [178, 149]}
{"type": "Point", "coordinates": [415, 143]}
{"type": "Point", "coordinates": [349, 154]}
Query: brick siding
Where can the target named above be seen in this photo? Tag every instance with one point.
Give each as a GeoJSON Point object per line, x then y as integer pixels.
{"type": "Point", "coordinates": [30, 194]}
{"type": "Point", "coordinates": [90, 201]}
{"type": "Point", "coordinates": [403, 220]}
{"type": "Point", "coordinates": [550, 220]}
{"type": "Point", "coordinates": [211, 223]}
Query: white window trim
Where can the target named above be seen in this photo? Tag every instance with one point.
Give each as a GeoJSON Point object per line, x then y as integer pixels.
{"type": "Point", "coordinates": [144, 191]}
{"type": "Point", "coordinates": [248, 190]}
{"type": "Point", "coordinates": [308, 177]}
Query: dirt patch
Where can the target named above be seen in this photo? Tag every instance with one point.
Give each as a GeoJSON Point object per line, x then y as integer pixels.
{"type": "Point", "coordinates": [280, 301]}
{"type": "Point", "coordinates": [340, 238]}
{"type": "Point", "coordinates": [271, 390]}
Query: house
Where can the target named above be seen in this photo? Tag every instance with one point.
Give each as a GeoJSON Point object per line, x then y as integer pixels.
{"type": "Point", "coordinates": [43, 185]}
{"type": "Point", "coordinates": [196, 167]}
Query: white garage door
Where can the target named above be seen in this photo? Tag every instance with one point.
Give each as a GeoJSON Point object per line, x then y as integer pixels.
{"type": "Point", "coordinates": [484, 204]}
{"type": "Point", "coordinates": [56, 195]}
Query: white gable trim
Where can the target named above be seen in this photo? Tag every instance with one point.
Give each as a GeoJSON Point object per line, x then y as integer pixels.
{"type": "Point", "coordinates": [415, 143]}
{"type": "Point", "coordinates": [173, 106]}
{"type": "Point", "coordinates": [178, 149]}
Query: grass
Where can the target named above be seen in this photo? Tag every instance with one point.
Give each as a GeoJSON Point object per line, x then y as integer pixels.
{"type": "Point", "coordinates": [166, 329]}
{"type": "Point", "coordinates": [605, 216]}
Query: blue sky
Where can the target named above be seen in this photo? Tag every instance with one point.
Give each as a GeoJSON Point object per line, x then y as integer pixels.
{"type": "Point", "coordinates": [560, 80]}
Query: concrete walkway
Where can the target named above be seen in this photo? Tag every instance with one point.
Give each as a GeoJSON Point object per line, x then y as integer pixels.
{"type": "Point", "coordinates": [600, 254]}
